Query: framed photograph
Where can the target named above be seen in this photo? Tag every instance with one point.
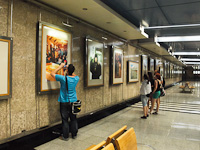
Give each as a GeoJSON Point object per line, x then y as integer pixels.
{"type": "Point", "coordinates": [152, 65]}
{"type": "Point", "coordinates": [6, 46]}
{"type": "Point", "coordinates": [94, 62]}
{"type": "Point", "coordinates": [54, 47]}
{"type": "Point", "coordinates": [144, 66]}
{"type": "Point", "coordinates": [133, 71]}
{"type": "Point", "coordinates": [116, 65]}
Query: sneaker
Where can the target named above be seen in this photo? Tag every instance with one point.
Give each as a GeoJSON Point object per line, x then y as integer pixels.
{"type": "Point", "coordinates": [64, 139]}
{"type": "Point", "coordinates": [143, 117]}
{"type": "Point", "coordinates": [155, 113]}
{"type": "Point", "coordinates": [147, 115]}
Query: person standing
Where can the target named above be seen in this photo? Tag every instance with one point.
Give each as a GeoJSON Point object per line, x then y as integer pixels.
{"type": "Point", "coordinates": [66, 98]}
{"type": "Point", "coordinates": [144, 91]}
{"type": "Point", "coordinates": [151, 79]}
{"type": "Point", "coordinates": [156, 93]}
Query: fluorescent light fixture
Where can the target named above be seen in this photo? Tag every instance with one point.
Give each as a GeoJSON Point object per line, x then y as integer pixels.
{"type": "Point", "coordinates": [186, 53]}
{"type": "Point", "coordinates": [67, 24]}
{"type": "Point", "coordinates": [189, 59]}
{"type": "Point", "coordinates": [104, 38]}
{"type": "Point", "coordinates": [143, 33]}
{"type": "Point", "coordinates": [172, 26]}
{"type": "Point", "coordinates": [190, 63]}
{"type": "Point", "coordinates": [177, 38]}
{"type": "Point", "coordinates": [157, 44]}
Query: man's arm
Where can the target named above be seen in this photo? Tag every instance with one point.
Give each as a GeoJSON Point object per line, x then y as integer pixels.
{"type": "Point", "coordinates": [53, 73]}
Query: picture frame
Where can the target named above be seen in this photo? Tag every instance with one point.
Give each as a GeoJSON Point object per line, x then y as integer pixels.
{"type": "Point", "coordinates": [54, 47]}
{"type": "Point", "coordinates": [144, 65]}
{"type": "Point", "coordinates": [116, 65]}
{"type": "Point", "coordinates": [152, 65]}
{"type": "Point", "coordinates": [94, 55]}
{"type": "Point", "coordinates": [133, 71]}
{"type": "Point", "coordinates": [6, 44]}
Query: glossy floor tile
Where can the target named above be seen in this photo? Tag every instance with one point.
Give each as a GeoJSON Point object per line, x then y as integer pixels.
{"type": "Point", "coordinates": [176, 127]}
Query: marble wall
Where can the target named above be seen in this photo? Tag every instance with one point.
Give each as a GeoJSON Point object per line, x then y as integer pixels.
{"type": "Point", "coordinates": [27, 110]}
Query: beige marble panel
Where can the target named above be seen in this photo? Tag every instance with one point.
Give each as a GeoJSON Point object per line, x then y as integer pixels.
{"type": "Point", "coordinates": [4, 17]}
{"type": "Point", "coordinates": [94, 98]}
{"type": "Point", "coordinates": [18, 122]}
{"type": "Point", "coordinates": [3, 119]}
{"type": "Point", "coordinates": [31, 119]}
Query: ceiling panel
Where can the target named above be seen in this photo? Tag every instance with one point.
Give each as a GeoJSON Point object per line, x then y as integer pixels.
{"type": "Point", "coordinates": [174, 32]}
{"type": "Point", "coordinates": [98, 15]}
{"type": "Point", "coordinates": [175, 2]}
{"type": "Point", "coordinates": [183, 14]}
{"type": "Point", "coordinates": [130, 4]}
{"type": "Point", "coordinates": [153, 16]}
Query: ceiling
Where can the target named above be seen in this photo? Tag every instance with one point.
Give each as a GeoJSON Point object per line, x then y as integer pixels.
{"type": "Point", "coordinates": [154, 13]}
{"type": "Point", "coordinates": [125, 17]}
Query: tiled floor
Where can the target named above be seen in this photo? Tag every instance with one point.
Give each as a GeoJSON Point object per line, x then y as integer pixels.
{"type": "Point", "coordinates": [176, 127]}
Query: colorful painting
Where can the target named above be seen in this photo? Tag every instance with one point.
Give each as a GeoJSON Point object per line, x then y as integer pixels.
{"type": "Point", "coordinates": [133, 72]}
{"type": "Point", "coordinates": [54, 46]}
{"type": "Point", "coordinates": [117, 65]}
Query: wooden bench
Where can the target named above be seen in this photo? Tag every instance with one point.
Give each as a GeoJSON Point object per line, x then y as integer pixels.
{"type": "Point", "coordinates": [191, 88]}
{"type": "Point", "coordinates": [98, 146]}
{"type": "Point", "coordinates": [115, 135]}
{"type": "Point", "coordinates": [127, 141]}
{"type": "Point", "coordinates": [109, 147]}
{"type": "Point", "coordinates": [110, 139]}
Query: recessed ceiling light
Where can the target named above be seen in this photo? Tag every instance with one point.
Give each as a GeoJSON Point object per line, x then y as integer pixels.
{"type": "Point", "coordinates": [85, 9]}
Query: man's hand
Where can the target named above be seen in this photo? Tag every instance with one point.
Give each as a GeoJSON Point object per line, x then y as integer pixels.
{"type": "Point", "coordinates": [53, 73]}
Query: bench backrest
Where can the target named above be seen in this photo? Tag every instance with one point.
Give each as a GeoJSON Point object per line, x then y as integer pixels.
{"type": "Point", "coordinates": [99, 146]}
{"type": "Point", "coordinates": [127, 141]}
{"type": "Point", "coordinates": [116, 134]}
{"type": "Point", "coordinates": [109, 147]}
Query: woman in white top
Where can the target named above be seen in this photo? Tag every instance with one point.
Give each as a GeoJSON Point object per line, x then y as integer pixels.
{"type": "Point", "coordinates": [144, 91]}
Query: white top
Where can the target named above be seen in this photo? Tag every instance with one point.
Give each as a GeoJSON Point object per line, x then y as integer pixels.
{"type": "Point", "coordinates": [145, 88]}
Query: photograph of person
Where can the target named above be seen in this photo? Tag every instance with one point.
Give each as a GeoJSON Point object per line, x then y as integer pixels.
{"type": "Point", "coordinates": [118, 65]}
{"type": "Point", "coordinates": [56, 53]}
{"type": "Point", "coordinates": [96, 64]}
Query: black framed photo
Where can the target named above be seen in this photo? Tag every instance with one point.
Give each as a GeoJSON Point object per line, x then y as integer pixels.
{"type": "Point", "coordinates": [94, 62]}
{"type": "Point", "coordinates": [6, 47]}
{"type": "Point", "coordinates": [144, 65]}
{"type": "Point", "coordinates": [54, 47]}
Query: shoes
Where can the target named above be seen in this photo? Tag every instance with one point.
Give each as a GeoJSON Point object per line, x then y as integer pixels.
{"type": "Point", "coordinates": [143, 117]}
{"type": "Point", "coordinates": [64, 139]}
{"type": "Point", "coordinates": [147, 115]}
{"type": "Point", "coordinates": [74, 137]}
{"type": "Point", "coordinates": [155, 113]}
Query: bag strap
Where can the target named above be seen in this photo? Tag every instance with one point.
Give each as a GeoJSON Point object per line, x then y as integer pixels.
{"type": "Point", "coordinates": [67, 87]}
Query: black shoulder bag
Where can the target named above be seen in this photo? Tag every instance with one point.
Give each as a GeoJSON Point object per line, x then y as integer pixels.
{"type": "Point", "coordinates": [76, 106]}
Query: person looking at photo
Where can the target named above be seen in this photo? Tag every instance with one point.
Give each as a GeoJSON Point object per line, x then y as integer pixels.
{"type": "Point", "coordinates": [95, 68]}
{"type": "Point", "coordinates": [66, 98]}
{"type": "Point", "coordinates": [145, 90]}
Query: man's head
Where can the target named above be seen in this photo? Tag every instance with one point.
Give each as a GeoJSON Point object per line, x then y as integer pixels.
{"type": "Point", "coordinates": [71, 69]}
{"type": "Point", "coordinates": [95, 58]}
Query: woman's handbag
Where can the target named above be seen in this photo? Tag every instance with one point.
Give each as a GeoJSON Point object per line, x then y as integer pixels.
{"type": "Point", "coordinates": [162, 90]}
{"type": "Point", "coordinates": [76, 106]}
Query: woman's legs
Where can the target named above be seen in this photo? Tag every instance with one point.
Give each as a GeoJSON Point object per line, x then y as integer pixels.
{"type": "Point", "coordinates": [158, 104]}
{"type": "Point", "coordinates": [152, 105]}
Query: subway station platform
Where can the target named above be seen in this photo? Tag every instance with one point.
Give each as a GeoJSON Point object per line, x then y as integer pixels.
{"type": "Point", "coordinates": [176, 127]}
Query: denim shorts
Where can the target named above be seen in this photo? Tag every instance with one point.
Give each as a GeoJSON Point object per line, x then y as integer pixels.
{"type": "Point", "coordinates": [144, 100]}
